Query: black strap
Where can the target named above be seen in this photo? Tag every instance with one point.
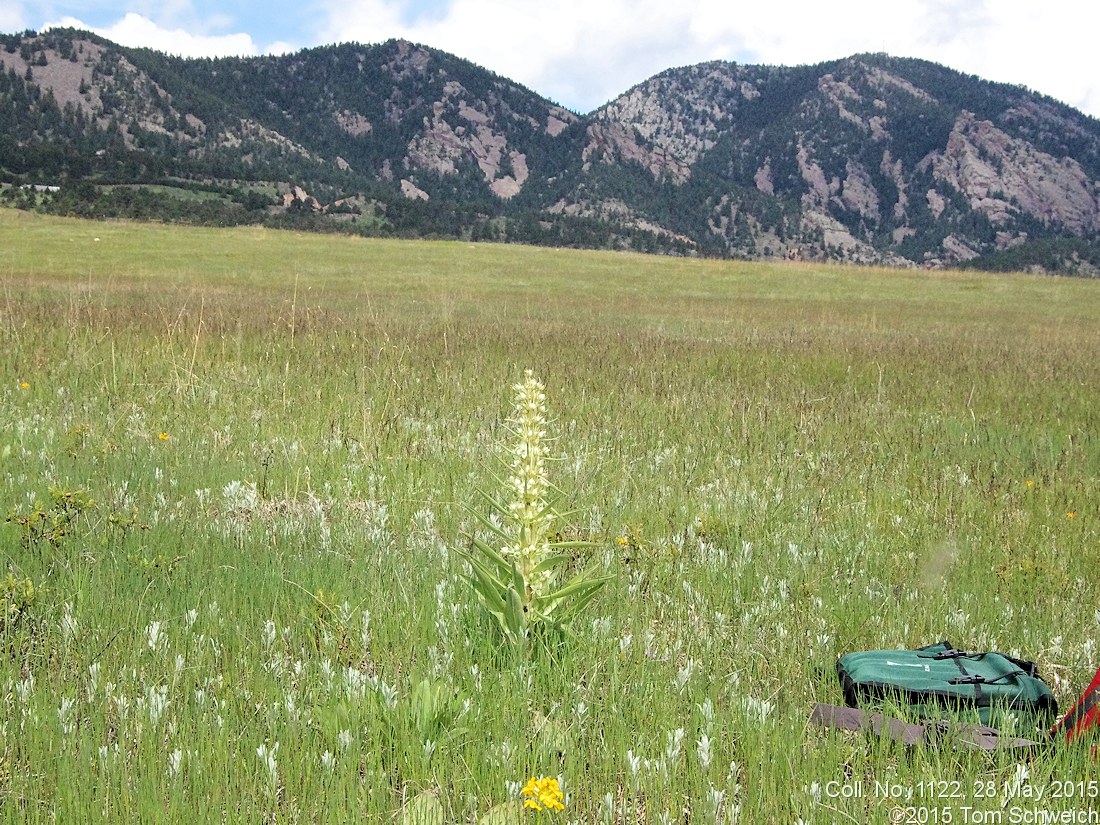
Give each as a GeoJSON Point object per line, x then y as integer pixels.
{"type": "Point", "coordinates": [966, 678]}
{"type": "Point", "coordinates": [1078, 714]}
{"type": "Point", "coordinates": [981, 680]}
{"type": "Point", "coordinates": [957, 656]}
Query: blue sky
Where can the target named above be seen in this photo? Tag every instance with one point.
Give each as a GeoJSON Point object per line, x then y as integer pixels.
{"type": "Point", "coordinates": [582, 53]}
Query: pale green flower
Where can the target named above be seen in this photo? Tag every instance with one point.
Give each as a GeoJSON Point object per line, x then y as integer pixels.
{"type": "Point", "coordinates": [529, 484]}
{"type": "Point", "coordinates": [517, 579]}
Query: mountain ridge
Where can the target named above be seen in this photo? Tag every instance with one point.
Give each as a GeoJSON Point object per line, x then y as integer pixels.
{"type": "Point", "coordinates": [870, 158]}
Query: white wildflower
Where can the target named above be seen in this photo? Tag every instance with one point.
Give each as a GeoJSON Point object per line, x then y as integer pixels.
{"type": "Point", "coordinates": [156, 700]}
{"type": "Point", "coordinates": [1019, 778]}
{"type": "Point", "coordinates": [760, 709]}
{"type": "Point", "coordinates": [607, 808]}
{"type": "Point", "coordinates": [239, 497]}
{"type": "Point", "coordinates": [64, 713]}
{"type": "Point", "coordinates": [388, 694]}
{"type": "Point", "coordinates": [674, 741]}
{"type": "Point", "coordinates": [684, 674]}
{"type": "Point", "coordinates": [175, 762]}
{"type": "Point", "coordinates": [93, 679]}
{"type": "Point", "coordinates": [24, 688]}
{"type": "Point", "coordinates": [715, 797]}
{"type": "Point", "coordinates": [269, 633]}
{"type": "Point", "coordinates": [153, 636]}
{"type": "Point", "coordinates": [702, 748]}
{"type": "Point", "coordinates": [706, 710]}
{"type": "Point", "coordinates": [634, 763]}
{"type": "Point", "coordinates": [355, 683]}
{"type": "Point", "coordinates": [267, 758]}
{"type": "Point", "coordinates": [68, 623]}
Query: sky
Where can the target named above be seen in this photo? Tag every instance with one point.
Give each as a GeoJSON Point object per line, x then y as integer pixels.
{"type": "Point", "coordinates": [583, 53]}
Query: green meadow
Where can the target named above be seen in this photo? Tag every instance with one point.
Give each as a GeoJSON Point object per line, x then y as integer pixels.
{"type": "Point", "coordinates": [238, 469]}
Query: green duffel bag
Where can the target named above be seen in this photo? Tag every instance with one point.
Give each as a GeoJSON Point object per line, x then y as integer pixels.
{"type": "Point", "coordinates": [938, 681]}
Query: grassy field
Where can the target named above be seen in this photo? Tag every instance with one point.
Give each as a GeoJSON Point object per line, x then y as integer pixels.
{"type": "Point", "coordinates": [238, 467]}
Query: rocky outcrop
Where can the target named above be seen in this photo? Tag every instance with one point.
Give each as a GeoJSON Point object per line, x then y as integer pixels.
{"type": "Point", "coordinates": [869, 155]}
{"type": "Point", "coordinates": [666, 124]}
{"type": "Point", "coordinates": [616, 143]}
{"type": "Point", "coordinates": [413, 192]}
{"type": "Point", "coordinates": [353, 123]}
{"type": "Point", "coordinates": [1003, 176]}
{"type": "Point", "coordinates": [858, 193]}
{"type": "Point", "coordinates": [462, 129]}
{"type": "Point", "coordinates": [299, 197]}
{"type": "Point", "coordinates": [62, 75]}
{"type": "Point", "coordinates": [251, 132]}
{"type": "Point", "coordinates": [101, 84]}
{"type": "Point", "coordinates": [619, 212]}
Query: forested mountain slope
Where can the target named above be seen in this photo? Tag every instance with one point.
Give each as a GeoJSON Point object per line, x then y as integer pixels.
{"type": "Point", "coordinates": [871, 158]}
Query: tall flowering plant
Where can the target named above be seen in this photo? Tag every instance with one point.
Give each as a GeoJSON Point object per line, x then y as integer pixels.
{"type": "Point", "coordinates": [516, 577]}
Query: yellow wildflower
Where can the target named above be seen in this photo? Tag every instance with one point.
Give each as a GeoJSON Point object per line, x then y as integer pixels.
{"type": "Point", "coordinates": [25, 386]}
{"type": "Point", "coordinates": [1071, 514]}
{"type": "Point", "coordinates": [543, 794]}
{"type": "Point", "coordinates": [163, 436]}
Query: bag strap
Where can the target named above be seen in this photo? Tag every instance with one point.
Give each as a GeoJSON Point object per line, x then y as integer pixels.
{"type": "Point", "coordinates": [981, 680]}
{"type": "Point", "coordinates": [966, 678]}
{"type": "Point", "coordinates": [1027, 668]}
{"type": "Point", "coordinates": [1076, 716]}
{"type": "Point", "coordinates": [957, 657]}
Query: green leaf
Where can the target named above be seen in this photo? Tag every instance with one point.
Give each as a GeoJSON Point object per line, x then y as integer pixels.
{"type": "Point", "coordinates": [493, 555]}
{"type": "Point", "coordinates": [427, 705]}
{"type": "Point", "coordinates": [495, 506]}
{"type": "Point", "coordinates": [488, 524]}
{"type": "Point", "coordinates": [550, 562]}
{"type": "Point", "coordinates": [553, 738]}
{"type": "Point", "coordinates": [507, 813]}
{"type": "Point", "coordinates": [571, 545]}
{"type": "Point", "coordinates": [578, 583]}
{"type": "Point", "coordinates": [422, 809]}
{"type": "Point", "coordinates": [519, 583]}
{"type": "Point", "coordinates": [513, 615]}
{"type": "Point", "coordinates": [488, 588]}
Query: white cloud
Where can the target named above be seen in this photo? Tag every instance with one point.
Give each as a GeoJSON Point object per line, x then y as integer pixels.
{"type": "Point", "coordinates": [582, 53]}
{"type": "Point", "coordinates": [281, 47]}
{"type": "Point", "coordinates": [12, 17]}
{"type": "Point", "coordinates": [135, 30]}
{"type": "Point", "coordinates": [1048, 48]}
